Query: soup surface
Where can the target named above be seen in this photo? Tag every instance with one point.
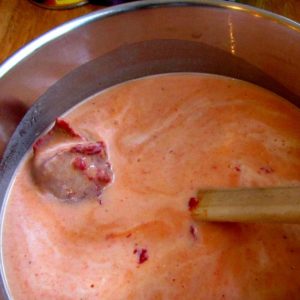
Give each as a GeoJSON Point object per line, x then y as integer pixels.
{"type": "Point", "coordinates": [166, 137]}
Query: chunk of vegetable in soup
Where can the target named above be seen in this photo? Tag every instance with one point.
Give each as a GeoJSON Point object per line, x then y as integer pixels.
{"type": "Point", "coordinates": [69, 166]}
{"type": "Point", "coordinates": [166, 137]}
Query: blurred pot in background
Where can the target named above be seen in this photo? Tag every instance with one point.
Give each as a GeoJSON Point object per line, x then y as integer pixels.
{"type": "Point", "coordinates": [59, 4]}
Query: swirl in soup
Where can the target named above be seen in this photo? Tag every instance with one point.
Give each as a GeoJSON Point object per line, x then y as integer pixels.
{"type": "Point", "coordinates": [130, 234]}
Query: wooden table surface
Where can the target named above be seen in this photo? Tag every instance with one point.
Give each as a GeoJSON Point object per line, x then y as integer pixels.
{"type": "Point", "coordinates": [21, 21]}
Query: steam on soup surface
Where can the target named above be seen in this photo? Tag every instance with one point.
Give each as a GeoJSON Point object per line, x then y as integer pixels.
{"type": "Point", "coordinates": [131, 236]}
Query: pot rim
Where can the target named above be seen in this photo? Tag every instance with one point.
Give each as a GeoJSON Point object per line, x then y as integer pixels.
{"type": "Point", "coordinates": [29, 49]}
{"type": "Point", "coordinates": [37, 43]}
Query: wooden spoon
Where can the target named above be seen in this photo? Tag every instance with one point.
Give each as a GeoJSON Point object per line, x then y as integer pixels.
{"type": "Point", "coordinates": [249, 205]}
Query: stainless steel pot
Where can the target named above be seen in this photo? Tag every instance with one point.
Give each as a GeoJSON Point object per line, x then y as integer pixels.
{"type": "Point", "coordinates": [104, 48]}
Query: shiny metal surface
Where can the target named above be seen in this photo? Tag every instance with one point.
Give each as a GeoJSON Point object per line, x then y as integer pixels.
{"type": "Point", "coordinates": [93, 52]}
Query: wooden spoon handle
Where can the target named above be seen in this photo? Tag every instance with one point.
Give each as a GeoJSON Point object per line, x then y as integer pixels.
{"type": "Point", "coordinates": [249, 205]}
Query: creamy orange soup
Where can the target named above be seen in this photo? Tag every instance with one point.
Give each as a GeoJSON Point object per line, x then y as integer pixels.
{"type": "Point", "coordinates": [166, 137]}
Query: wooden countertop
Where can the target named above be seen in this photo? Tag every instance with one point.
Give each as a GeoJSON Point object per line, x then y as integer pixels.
{"type": "Point", "coordinates": [21, 21]}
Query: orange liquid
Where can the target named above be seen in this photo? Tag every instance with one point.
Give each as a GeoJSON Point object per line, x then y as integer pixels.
{"type": "Point", "coordinates": [168, 136]}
